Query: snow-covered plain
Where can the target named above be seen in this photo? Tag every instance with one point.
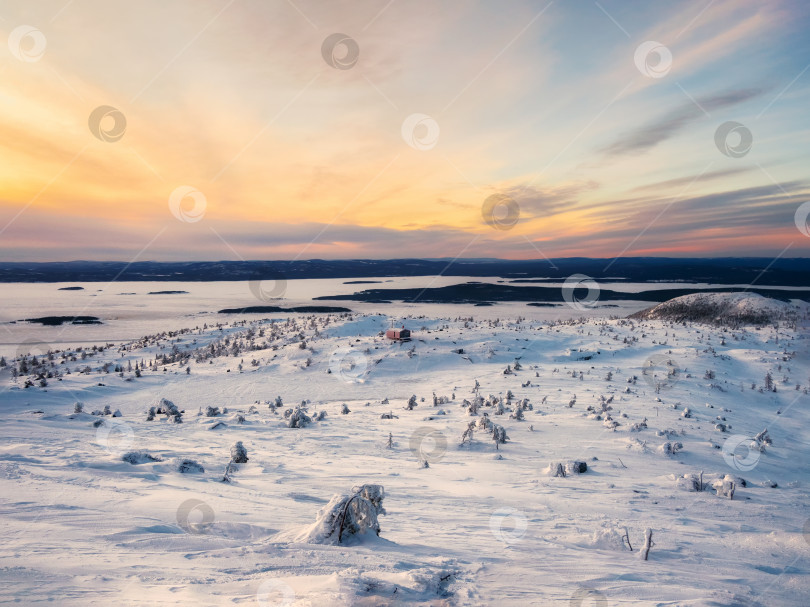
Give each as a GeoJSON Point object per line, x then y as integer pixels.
{"type": "Point", "coordinates": [479, 526]}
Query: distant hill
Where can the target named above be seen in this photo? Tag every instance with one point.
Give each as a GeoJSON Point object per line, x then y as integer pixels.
{"type": "Point", "coordinates": [726, 271]}
{"type": "Point", "coordinates": [733, 309]}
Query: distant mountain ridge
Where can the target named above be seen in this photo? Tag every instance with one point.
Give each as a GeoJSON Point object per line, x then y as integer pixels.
{"type": "Point", "coordinates": [727, 270]}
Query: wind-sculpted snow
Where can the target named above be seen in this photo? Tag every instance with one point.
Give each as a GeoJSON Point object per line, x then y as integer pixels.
{"type": "Point", "coordinates": [524, 462]}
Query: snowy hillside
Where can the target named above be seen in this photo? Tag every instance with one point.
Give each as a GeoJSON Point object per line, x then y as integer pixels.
{"type": "Point", "coordinates": [520, 463]}
{"type": "Point", "coordinates": [731, 309]}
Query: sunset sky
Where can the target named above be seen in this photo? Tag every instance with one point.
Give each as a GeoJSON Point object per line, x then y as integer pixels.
{"type": "Point", "coordinates": [605, 150]}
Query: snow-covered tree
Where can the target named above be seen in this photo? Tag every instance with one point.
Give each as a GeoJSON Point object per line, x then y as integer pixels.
{"type": "Point", "coordinates": [238, 453]}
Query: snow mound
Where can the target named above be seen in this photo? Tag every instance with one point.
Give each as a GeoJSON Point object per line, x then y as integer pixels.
{"type": "Point", "coordinates": [722, 309]}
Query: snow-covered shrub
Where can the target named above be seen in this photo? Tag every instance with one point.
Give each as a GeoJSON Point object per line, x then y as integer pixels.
{"type": "Point", "coordinates": [639, 426]}
{"type": "Point", "coordinates": [467, 435]}
{"type": "Point", "coordinates": [344, 410]}
{"type": "Point", "coordinates": [240, 419]}
{"type": "Point", "coordinates": [320, 416]}
{"type": "Point", "coordinates": [78, 407]}
{"type": "Point", "coordinates": [117, 413]}
{"type": "Point", "coordinates": [107, 410]}
{"type": "Point", "coordinates": [610, 423]}
{"type": "Point", "coordinates": [669, 448]}
{"type": "Point", "coordinates": [211, 411]}
{"type": "Point", "coordinates": [690, 482]}
{"type": "Point", "coordinates": [239, 453]}
{"type": "Point", "coordinates": [517, 414]}
{"type": "Point", "coordinates": [139, 457]}
{"type": "Point", "coordinates": [576, 467]}
{"type": "Point", "coordinates": [411, 403]}
{"type": "Point", "coordinates": [166, 407]}
{"type": "Point", "coordinates": [725, 487]}
{"type": "Point", "coordinates": [347, 518]}
{"type": "Point", "coordinates": [388, 415]}
{"type": "Point", "coordinates": [483, 423]}
{"type": "Point", "coordinates": [499, 434]}
{"type": "Point", "coordinates": [299, 418]}
{"type": "Point", "coordinates": [609, 538]}
{"type": "Point", "coordinates": [762, 439]}
{"type": "Point", "coordinates": [189, 466]}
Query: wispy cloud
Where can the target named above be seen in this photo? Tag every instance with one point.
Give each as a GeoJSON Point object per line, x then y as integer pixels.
{"type": "Point", "coordinates": [673, 122]}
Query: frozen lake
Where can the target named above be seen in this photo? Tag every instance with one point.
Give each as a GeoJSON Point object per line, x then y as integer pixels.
{"type": "Point", "coordinates": [128, 310]}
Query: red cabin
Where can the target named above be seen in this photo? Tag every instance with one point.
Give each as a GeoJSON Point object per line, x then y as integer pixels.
{"type": "Point", "coordinates": [398, 334]}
